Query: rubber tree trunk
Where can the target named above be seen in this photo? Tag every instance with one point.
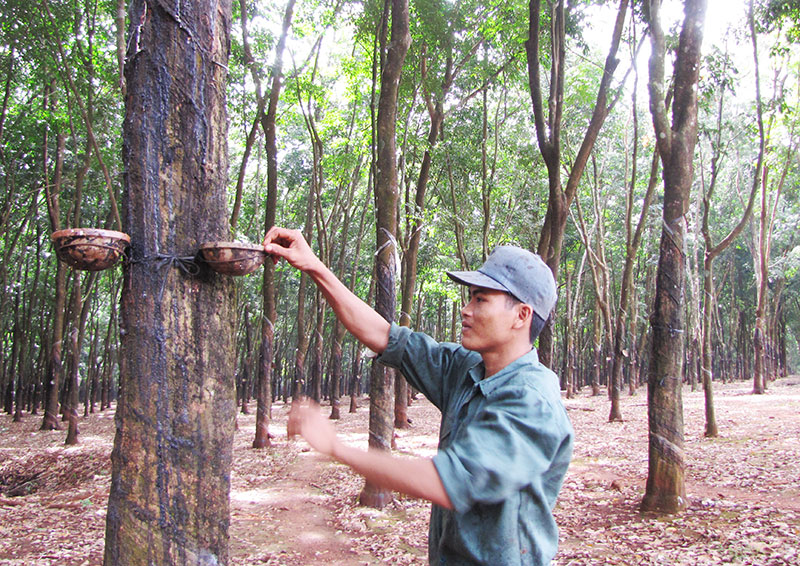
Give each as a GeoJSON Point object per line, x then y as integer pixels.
{"type": "Point", "coordinates": [338, 333]}
{"type": "Point", "coordinates": [711, 430]}
{"type": "Point", "coordinates": [414, 221]}
{"type": "Point", "coordinates": [633, 240]}
{"type": "Point", "coordinates": [303, 327]}
{"type": "Point", "coordinates": [381, 395]}
{"type": "Point", "coordinates": [171, 461]}
{"type": "Point", "coordinates": [267, 349]}
{"type": "Point", "coordinates": [74, 365]}
{"type": "Point", "coordinates": [548, 130]}
{"type": "Point", "coordinates": [55, 366]}
{"type": "Point", "coordinates": [665, 491]}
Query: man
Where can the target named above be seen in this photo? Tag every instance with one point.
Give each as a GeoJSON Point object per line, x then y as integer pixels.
{"type": "Point", "coordinates": [505, 440]}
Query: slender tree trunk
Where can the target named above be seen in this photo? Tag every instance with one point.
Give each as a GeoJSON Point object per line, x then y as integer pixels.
{"type": "Point", "coordinates": [761, 258]}
{"type": "Point", "coordinates": [602, 315]}
{"type": "Point", "coordinates": [119, 23]}
{"type": "Point", "coordinates": [335, 390]}
{"type": "Point", "coordinates": [14, 398]}
{"type": "Point", "coordinates": [434, 103]}
{"type": "Point", "coordinates": [381, 407]}
{"type": "Point", "coordinates": [74, 364]}
{"type": "Point", "coordinates": [779, 325]}
{"type": "Point", "coordinates": [339, 331]}
{"type": "Point", "coordinates": [571, 299]}
{"type": "Point", "coordinates": [409, 283]}
{"type": "Point", "coordinates": [108, 349]}
{"type": "Point", "coordinates": [355, 375]}
{"type": "Point", "coordinates": [708, 390]}
{"type": "Point", "coordinates": [55, 365]}
{"type": "Point", "coordinates": [267, 354]}
{"type": "Point", "coordinates": [626, 290]}
{"type": "Point", "coordinates": [90, 400]}
{"type": "Point", "coordinates": [548, 131]}
{"type": "Point", "coordinates": [596, 350]}
{"type": "Point", "coordinates": [303, 338]}
{"type": "Point", "coordinates": [246, 384]}
{"type": "Point", "coordinates": [29, 369]}
{"type": "Point", "coordinates": [317, 363]}
{"type": "Point", "coordinates": [80, 308]}
{"type": "Point", "coordinates": [708, 301]}
{"type": "Point", "coordinates": [175, 418]}
{"type": "Point", "coordinates": [633, 239]}
{"type": "Point", "coordinates": [665, 491]}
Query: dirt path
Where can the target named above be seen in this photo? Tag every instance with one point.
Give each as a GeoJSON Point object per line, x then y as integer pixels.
{"type": "Point", "coordinates": [290, 506]}
{"type": "Point", "coordinates": [288, 521]}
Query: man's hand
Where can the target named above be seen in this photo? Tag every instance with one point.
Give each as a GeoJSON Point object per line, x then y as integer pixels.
{"type": "Point", "coordinates": [306, 420]}
{"type": "Point", "coordinates": [291, 246]}
{"type": "Point", "coordinates": [416, 477]}
{"type": "Point", "coordinates": [370, 328]}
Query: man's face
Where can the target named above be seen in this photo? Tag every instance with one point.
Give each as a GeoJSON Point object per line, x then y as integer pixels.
{"type": "Point", "coordinates": [486, 321]}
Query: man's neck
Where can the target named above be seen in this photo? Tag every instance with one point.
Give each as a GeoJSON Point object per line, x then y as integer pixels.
{"type": "Point", "coordinates": [494, 362]}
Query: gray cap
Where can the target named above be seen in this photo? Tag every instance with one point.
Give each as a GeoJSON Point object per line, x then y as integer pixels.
{"type": "Point", "coordinates": [517, 271]}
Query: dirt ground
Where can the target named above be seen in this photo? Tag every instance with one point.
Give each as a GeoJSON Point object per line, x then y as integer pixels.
{"type": "Point", "coordinates": [291, 507]}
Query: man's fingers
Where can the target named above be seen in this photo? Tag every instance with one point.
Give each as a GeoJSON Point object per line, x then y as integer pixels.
{"type": "Point", "coordinates": [280, 236]}
{"type": "Point", "coordinates": [278, 243]}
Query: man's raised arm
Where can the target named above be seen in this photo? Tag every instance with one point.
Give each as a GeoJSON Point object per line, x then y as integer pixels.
{"type": "Point", "coordinates": [370, 328]}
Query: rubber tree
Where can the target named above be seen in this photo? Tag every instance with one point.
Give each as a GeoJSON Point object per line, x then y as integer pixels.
{"type": "Point", "coordinates": [381, 398]}
{"type": "Point", "coordinates": [171, 461]}
{"type": "Point", "coordinates": [268, 125]}
{"type": "Point", "coordinates": [548, 122]}
{"type": "Point", "coordinates": [665, 491]}
{"type": "Point", "coordinates": [55, 371]}
{"type": "Point", "coordinates": [712, 249]}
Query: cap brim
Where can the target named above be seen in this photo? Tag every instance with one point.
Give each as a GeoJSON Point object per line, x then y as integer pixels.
{"type": "Point", "coordinates": [477, 279]}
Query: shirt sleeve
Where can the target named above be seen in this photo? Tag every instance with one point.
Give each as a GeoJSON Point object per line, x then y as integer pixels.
{"type": "Point", "coordinates": [509, 444]}
{"type": "Point", "coordinates": [425, 363]}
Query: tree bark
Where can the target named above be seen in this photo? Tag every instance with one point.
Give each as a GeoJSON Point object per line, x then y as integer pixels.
{"type": "Point", "coordinates": [55, 365]}
{"type": "Point", "coordinates": [268, 119]}
{"type": "Point", "coordinates": [708, 301]}
{"type": "Point", "coordinates": [386, 194]}
{"type": "Point", "coordinates": [665, 490]}
{"type": "Point", "coordinates": [414, 220]}
{"type": "Point", "coordinates": [171, 460]}
{"type": "Point", "coordinates": [633, 239]}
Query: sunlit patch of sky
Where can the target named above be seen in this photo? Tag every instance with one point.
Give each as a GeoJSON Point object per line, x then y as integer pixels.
{"type": "Point", "coordinates": [725, 29]}
{"type": "Point", "coordinates": [721, 15]}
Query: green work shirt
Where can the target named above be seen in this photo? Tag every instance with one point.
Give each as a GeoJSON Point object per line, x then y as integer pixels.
{"type": "Point", "coordinates": [505, 443]}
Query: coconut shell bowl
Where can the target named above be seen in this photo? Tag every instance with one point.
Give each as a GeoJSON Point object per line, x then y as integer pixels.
{"type": "Point", "coordinates": [233, 258]}
{"type": "Point", "coordinates": [90, 249]}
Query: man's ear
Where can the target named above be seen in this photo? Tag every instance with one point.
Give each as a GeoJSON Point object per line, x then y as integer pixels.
{"type": "Point", "coordinates": [524, 315]}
